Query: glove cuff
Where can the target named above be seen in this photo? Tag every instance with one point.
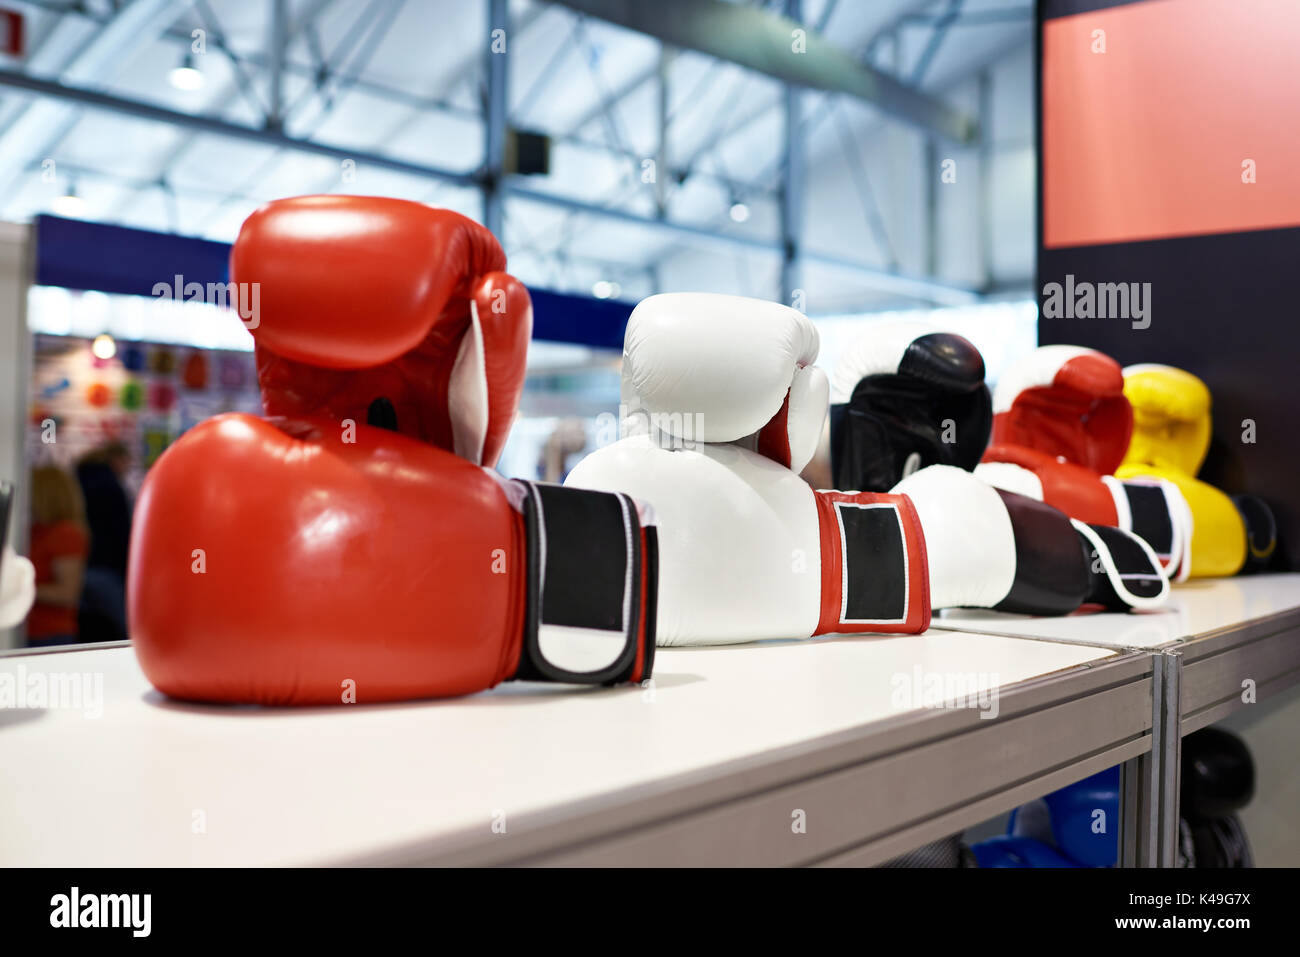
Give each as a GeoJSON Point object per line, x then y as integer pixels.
{"type": "Point", "coordinates": [591, 583]}
{"type": "Point", "coordinates": [875, 572]}
{"type": "Point", "coordinates": [1156, 511]}
{"type": "Point", "coordinates": [1125, 571]}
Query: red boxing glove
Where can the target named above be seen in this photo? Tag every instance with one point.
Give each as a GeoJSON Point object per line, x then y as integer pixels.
{"type": "Point", "coordinates": [387, 312]}
{"type": "Point", "coordinates": [278, 563]}
{"type": "Point", "coordinates": [1068, 402]}
{"type": "Point", "coordinates": [1061, 426]}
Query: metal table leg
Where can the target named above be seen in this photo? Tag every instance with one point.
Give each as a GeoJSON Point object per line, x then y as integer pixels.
{"type": "Point", "coordinates": [1168, 748]}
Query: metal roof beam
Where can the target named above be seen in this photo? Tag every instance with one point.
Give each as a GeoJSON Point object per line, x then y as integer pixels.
{"type": "Point", "coordinates": [207, 124]}
{"type": "Point", "coordinates": [792, 184]}
{"type": "Point", "coordinates": [241, 86]}
{"type": "Point", "coordinates": [39, 127]}
{"type": "Point", "coordinates": [763, 42]}
{"type": "Point", "coordinates": [876, 278]}
{"type": "Point", "coordinates": [634, 83]}
{"type": "Point", "coordinates": [603, 106]}
{"type": "Point", "coordinates": [916, 287]}
{"type": "Point", "coordinates": [277, 42]}
{"type": "Point", "coordinates": [938, 31]}
{"type": "Point", "coordinates": [495, 117]}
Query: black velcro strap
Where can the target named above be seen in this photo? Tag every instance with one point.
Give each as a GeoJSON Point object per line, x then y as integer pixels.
{"type": "Point", "coordinates": [1150, 518]}
{"type": "Point", "coordinates": [584, 591]}
{"type": "Point", "coordinates": [875, 564]}
{"type": "Point", "coordinates": [1124, 574]}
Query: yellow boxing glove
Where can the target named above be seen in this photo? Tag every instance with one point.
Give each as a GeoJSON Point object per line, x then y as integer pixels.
{"type": "Point", "coordinates": [1171, 434]}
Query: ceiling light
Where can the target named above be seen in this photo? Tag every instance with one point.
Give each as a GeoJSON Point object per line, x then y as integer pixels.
{"type": "Point", "coordinates": [103, 347]}
{"type": "Point", "coordinates": [70, 204]}
{"type": "Point", "coordinates": [187, 76]}
{"type": "Point", "coordinates": [604, 289]}
{"type": "Point", "coordinates": [739, 212]}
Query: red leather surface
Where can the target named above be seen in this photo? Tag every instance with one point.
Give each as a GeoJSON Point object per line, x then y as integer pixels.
{"type": "Point", "coordinates": [366, 297]}
{"type": "Point", "coordinates": [1075, 490]}
{"type": "Point", "coordinates": [1082, 416]}
{"type": "Point", "coordinates": [382, 561]}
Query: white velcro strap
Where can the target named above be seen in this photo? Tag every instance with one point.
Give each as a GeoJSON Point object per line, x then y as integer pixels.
{"type": "Point", "coordinates": [1124, 514]}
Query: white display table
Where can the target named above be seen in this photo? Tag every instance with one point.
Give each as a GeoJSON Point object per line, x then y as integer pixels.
{"type": "Point", "coordinates": [728, 743]}
{"type": "Point", "coordinates": [1218, 646]}
{"type": "Point", "coordinates": [786, 752]}
{"type": "Point", "coordinates": [1195, 608]}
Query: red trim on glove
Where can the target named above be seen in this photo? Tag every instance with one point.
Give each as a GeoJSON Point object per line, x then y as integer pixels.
{"type": "Point", "coordinates": [774, 438]}
{"type": "Point", "coordinates": [916, 616]}
{"type": "Point", "coordinates": [638, 667]}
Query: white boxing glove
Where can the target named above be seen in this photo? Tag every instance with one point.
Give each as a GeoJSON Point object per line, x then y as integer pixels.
{"type": "Point", "coordinates": [702, 367]}
{"type": "Point", "coordinates": [748, 550]}
{"type": "Point", "coordinates": [17, 588]}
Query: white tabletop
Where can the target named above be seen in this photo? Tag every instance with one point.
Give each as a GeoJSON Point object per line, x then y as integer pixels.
{"type": "Point", "coordinates": [1195, 607]}
{"type": "Point", "coordinates": [153, 782]}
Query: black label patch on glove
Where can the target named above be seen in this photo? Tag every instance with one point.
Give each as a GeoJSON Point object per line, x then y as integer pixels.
{"type": "Point", "coordinates": [875, 564]}
{"type": "Point", "coordinates": [583, 587]}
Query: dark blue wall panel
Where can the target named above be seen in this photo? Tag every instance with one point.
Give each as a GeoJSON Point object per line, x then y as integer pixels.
{"type": "Point", "coordinates": [81, 255]}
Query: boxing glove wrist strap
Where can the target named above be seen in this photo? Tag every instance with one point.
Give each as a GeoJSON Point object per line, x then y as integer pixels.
{"type": "Point", "coordinates": [592, 568]}
{"type": "Point", "coordinates": [1155, 511]}
{"type": "Point", "coordinates": [1123, 568]}
{"type": "Point", "coordinates": [875, 577]}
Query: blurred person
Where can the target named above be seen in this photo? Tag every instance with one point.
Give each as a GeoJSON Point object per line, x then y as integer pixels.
{"type": "Point", "coordinates": [102, 473]}
{"type": "Point", "coordinates": [59, 548]}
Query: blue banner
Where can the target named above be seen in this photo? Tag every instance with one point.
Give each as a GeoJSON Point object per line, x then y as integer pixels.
{"type": "Point", "coordinates": [81, 255]}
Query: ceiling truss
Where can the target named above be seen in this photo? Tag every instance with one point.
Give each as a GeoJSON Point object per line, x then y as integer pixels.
{"type": "Point", "coordinates": [809, 96]}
